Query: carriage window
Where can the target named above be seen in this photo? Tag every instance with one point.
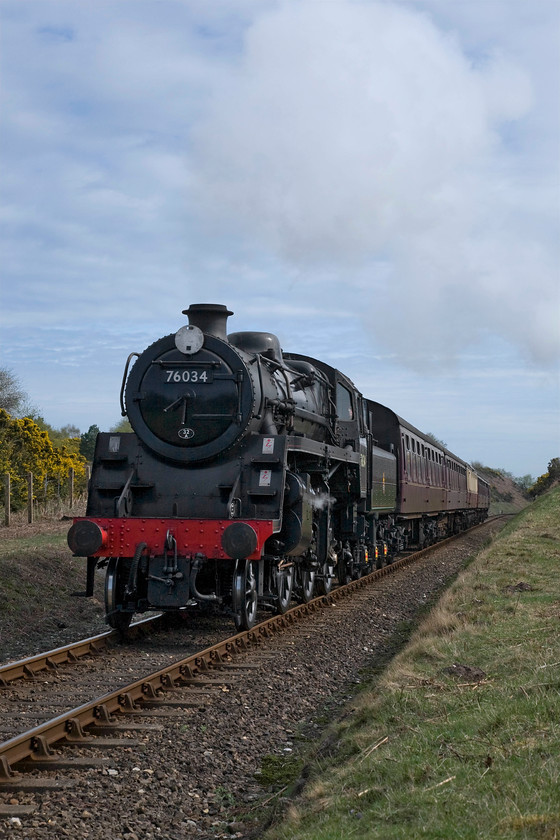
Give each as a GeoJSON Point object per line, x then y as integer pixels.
{"type": "Point", "coordinates": [344, 403]}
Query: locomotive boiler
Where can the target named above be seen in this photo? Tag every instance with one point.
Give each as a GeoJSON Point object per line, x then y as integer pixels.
{"type": "Point", "coordinates": [252, 476]}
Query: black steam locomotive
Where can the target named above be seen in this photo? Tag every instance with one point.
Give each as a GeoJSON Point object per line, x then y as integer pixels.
{"type": "Point", "coordinates": [253, 476]}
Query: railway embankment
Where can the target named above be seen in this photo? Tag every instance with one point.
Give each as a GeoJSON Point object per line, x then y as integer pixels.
{"type": "Point", "coordinates": [460, 735]}
{"type": "Point", "coordinates": [40, 581]}
{"type": "Point", "coordinates": [506, 496]}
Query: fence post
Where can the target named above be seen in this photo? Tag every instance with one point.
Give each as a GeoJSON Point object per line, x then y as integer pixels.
{"type": "Point", "coordinates": [71, 486]}
{"type": "Point", "coordinates": [30, 497]}
{"type": "Point", "coordinates": [7, 500]}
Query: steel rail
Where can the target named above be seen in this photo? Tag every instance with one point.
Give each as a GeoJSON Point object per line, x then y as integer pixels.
{"type": "Point", "coordinates": [51, 659]}
{"type": "Point", "coordinates": [69, 727]}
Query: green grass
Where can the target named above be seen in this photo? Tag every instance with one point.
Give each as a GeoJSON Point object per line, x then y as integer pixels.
{"type": "Point", "coordinates": [279, 770]}
{"type": "Point", "coordinates": [461, 753]}
{"type": "Point", "coordinates": [38, 579]}
{"type": "Point", "coordinates": [39, 541]}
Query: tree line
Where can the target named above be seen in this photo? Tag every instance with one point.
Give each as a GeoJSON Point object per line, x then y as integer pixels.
{"type": "Point", "coordinates": [547, 480]}
{"type": "Point", "coordinates": [29, 444]}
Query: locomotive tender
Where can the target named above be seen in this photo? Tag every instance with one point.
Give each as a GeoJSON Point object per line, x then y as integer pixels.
{"type": "Point", "coordinates": [253, 475]}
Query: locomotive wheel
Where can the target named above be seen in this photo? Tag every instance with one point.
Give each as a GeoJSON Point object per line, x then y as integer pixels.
{"type": "Point", "coordinates": [115, 581]}
{"type": "Point", "coordinates": [244, 595]}
{"type": "Point", "coordinates": [325, 578]}
{"type": "Point", "coordinates": [306, 584]}
{"type": "Point", "coordinates": [284, 583]}
{"type": "Point", "coordinates": [344, 572]}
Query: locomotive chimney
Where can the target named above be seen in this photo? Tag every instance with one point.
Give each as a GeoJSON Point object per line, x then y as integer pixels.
{"type": "Point", "coordinates": [211, 318]}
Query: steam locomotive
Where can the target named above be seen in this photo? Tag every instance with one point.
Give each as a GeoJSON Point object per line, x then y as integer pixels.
{"type": "Point", "coordinates": [254, 476]}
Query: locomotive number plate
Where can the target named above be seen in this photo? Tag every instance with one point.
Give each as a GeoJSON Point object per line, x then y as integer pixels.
{"type": "Point", "coordinates": [189, 375]}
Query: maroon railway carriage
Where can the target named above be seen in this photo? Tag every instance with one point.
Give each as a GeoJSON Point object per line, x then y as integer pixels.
{"type": "Point", "coordinates": [439, 494]}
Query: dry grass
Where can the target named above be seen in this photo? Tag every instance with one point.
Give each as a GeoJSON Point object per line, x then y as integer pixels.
{"type": "Point", "coordinates": [38, 579]}
{"type": "Point", "coordinates": [461, 736]}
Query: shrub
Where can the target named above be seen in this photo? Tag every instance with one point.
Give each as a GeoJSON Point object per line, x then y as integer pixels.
{"type": "Point", "coordinates": [25, 448]}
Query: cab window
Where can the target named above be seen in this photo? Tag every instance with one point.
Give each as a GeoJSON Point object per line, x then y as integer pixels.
{"type": "Point", "coordinates": [344, 403]}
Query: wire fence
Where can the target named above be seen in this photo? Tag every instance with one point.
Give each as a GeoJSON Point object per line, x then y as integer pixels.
{"type": "Point", "coordinates": [49, 497]}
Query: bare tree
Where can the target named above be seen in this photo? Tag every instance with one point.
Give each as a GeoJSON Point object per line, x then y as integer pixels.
{"type": "Point", "coordinates": [12, 396]}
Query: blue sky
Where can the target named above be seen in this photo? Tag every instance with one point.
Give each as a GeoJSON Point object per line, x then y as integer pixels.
{"type": "Point", "coordinates": [376, 182]}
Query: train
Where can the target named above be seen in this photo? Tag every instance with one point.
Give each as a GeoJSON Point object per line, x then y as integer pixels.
{"type": "Point", "coordinates": [254, 476]}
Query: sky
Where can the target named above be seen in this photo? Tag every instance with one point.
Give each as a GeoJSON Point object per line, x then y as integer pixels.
{"type": "Point", "coordinates": [378, 183]}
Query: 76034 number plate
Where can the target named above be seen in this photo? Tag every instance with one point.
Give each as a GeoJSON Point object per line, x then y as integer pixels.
{"type": "Point", "coordinates": [202, 377]}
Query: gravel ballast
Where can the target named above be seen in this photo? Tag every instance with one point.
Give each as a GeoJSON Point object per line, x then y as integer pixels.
{"type": "Point", "coordinates": [198, 775]}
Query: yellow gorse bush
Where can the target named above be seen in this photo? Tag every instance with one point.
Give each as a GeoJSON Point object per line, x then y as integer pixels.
{"type": "Point", "coordinates": [25, 448]}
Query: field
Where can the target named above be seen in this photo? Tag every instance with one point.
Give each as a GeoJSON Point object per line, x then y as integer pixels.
{"type": "Point", "coordinates": [39, 582]}
{"type": "Point", "coordinates": [460, 736]}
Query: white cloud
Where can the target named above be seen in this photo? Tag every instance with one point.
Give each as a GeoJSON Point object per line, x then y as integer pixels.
{"type": "Point", "coordinates": [379, 181]}
{"type": "Point", "coordinates": [364, 132]}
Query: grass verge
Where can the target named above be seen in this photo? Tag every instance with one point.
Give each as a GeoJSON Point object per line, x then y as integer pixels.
{"type": "Point", "coordinates": [38, 581]}
{"type": "Point", "coordinates": [460, 738]}
{"type": "Point", "coordinates": [38, 542]}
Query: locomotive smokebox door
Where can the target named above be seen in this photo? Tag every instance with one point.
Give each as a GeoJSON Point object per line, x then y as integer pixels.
{"type": "Point", "coordinates": [191, 396]}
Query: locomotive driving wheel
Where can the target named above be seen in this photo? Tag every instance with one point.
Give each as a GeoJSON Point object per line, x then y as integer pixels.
{"type": "Point", "coordinates": [345, 569]}
{"type": "Point", "coordinates": [244, 592]}
{"type": "Point", "coordinates": [325, 577]}
{"type": "Point", "coordinates": [306, 583]}
{"type": "Point", "coordinates": [115, 581]}
{"type": "Point", "coordinates": [283, 584]}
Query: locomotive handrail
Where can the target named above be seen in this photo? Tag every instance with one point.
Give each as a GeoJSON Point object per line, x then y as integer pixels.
{"type": "Point", "coordinates": [262, 407]}
{"type": "Point", "coordinates": [125, 376]}
{"type": "Point", "coordinates": [121, 508]}
{"type": "Point", "coordinates": [184, 363]}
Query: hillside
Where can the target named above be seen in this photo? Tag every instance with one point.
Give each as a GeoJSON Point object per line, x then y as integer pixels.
{"type": "Point", "coordinates": [505, 495]}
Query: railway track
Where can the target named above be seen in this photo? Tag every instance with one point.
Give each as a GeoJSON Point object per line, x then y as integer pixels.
{"type": "Point", "coordinates": [113, 720]}
{"type": "Point", "coordinates": [31, 666]}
